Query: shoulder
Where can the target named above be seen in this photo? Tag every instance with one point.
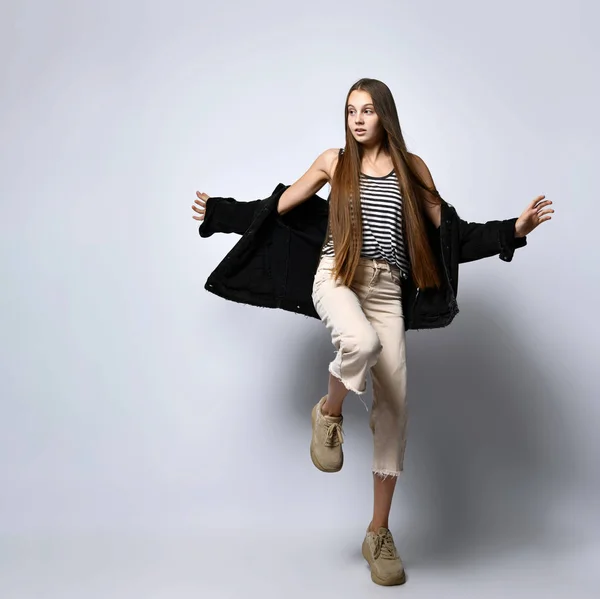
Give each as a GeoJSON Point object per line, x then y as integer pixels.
{"type": "Point", "coordinates": [419, 165]}
{"type": "Point", "coordinates": [432, 199]}
{"type": "Point", "coordinates": [332, 153]}
{"type": "Point", "coordinates": [329, 159]}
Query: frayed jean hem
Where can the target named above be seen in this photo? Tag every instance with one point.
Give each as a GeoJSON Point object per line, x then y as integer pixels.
{"type": "Point", "coordinates": [383, 473]}
{"type": "Point", "coordinates": [349, 387]}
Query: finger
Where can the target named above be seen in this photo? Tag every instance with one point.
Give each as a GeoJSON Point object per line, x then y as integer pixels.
{"type": "Point", "coordinates": [535, 201]}
{"type": "Point", "coordinates": [198, 210]}
{"type": "Point", "coordinates": [538, 209]}
{"type": "Point", "coordinates": [198, 217]}
{"type": "Point", "coordinates": [545, 211]}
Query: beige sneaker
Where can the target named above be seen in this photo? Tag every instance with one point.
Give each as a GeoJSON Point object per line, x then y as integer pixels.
{"type": "Point", "coordinates": [381, 553]}
{"type": "Point", "coordinates": [327, 438]}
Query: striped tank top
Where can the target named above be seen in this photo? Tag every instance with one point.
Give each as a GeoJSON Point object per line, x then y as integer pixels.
{"type": "Point", "coordinates": [382, 222]}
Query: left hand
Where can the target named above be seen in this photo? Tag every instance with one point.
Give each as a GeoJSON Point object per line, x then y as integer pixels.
{"type": "Point", "coordinates": [532, 216]}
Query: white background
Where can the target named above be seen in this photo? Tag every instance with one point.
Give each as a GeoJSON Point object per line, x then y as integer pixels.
{"type": "Point", "coordinates": [154, 437]}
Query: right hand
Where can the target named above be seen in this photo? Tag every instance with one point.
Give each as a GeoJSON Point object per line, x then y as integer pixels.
{"type": "Point", "coordinates": [199, 205]}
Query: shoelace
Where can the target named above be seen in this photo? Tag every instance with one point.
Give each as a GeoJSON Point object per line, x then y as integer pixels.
{"type": "Point", "coordinates": [384, 546]}
{"type": "Point", "coordinates": [334, 435]}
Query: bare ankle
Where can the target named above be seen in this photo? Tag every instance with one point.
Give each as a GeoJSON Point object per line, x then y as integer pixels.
{"type": "Point", "coordinates": [374, 527]}
{"type": "Point", "coordinates": [328, 411]}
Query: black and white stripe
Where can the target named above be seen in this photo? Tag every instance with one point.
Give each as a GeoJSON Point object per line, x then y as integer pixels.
{"type": "Point", "coordinates": [382, 222]}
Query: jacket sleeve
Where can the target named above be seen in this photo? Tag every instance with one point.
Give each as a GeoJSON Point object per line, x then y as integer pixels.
{"type": "Point", "coordinates": [482, 240]}
{"type": "Point", "coordinates": [226, 215]}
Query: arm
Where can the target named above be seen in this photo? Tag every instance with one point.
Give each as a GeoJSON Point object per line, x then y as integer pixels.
{"type": "Point", "coordinates": [503, 237]}
{"type": "Point", "coordinates": [432, 205]}
{"type": "Point", "coordinates": [482, 240]}
{"type": "Point", "coordinates": [477, 240]}
{"type": "Point", "coordinates": [310, 182]}
{"type": "Point", "coordinates": [226, 215]}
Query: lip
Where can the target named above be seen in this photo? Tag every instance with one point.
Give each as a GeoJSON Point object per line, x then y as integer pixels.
{"type": "Point", "coordinates": [359, 131]}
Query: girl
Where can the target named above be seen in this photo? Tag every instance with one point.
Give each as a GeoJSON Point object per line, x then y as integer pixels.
{"type": "Point", "coordinates": [381, 199]}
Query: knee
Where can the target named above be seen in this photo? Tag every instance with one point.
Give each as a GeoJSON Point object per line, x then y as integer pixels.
{"type": "Point", "coordinates": [367, 346]}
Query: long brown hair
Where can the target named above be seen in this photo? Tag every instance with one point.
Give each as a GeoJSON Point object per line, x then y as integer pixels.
{"type": "Point", "coordinates": [345, 221]}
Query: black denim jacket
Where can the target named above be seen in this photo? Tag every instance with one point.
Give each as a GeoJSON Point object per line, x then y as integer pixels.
{"type": "Point", "coordinates": [274, 262]}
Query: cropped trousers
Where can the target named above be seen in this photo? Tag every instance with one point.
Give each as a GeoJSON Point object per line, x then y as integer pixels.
{"type": "Point", "coordinates": [366, 325]}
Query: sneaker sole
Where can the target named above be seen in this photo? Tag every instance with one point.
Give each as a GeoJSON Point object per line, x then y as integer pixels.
{"type": "Point", "coordinates": [314, 459]}
{"type": "Point", "coordinates": [387, 582]}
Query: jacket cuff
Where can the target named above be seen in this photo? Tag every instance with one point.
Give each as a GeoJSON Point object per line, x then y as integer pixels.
{"type": "Point", "coordinates": [226, 215]}
{"type": "Point", "coordinates": [206, 226]}
{"type": "Point", "coordinates": [507, 240]}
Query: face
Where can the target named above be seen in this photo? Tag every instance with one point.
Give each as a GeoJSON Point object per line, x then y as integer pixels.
{"type": "Point", "coordinates": [363, 121]}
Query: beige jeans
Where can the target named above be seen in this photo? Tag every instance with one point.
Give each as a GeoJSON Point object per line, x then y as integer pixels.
{"type": "Point", "coordinates": [367, 329]}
